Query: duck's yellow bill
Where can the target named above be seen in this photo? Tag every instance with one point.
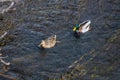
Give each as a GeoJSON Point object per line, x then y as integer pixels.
{"type": "Point", "coordinates": [74, 29]}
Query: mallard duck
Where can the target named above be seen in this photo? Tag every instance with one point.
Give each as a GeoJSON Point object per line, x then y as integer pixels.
{"type": "Point", "coordinates": [49, 42]}
{"type": "Point", "coordinates": [82, 27]}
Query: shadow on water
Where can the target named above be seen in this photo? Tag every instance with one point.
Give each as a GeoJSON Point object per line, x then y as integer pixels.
{"type": "Point", "coordinates": [43, 52]}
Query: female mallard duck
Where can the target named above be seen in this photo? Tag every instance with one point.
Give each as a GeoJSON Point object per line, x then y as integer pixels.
{"type": "Point", "coordinates": [49, 42]}
{"type": "Point", "coordinates": [82, 27]}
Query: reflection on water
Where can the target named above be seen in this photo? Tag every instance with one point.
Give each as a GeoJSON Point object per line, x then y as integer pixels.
{"type": "Point", "coordinates": [37, 19]}
{"type": "Point", "coordinates": [43, 52]}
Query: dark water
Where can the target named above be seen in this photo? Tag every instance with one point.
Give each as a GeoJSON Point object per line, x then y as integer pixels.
{"type": "Point", "coordinates": [38, 19]}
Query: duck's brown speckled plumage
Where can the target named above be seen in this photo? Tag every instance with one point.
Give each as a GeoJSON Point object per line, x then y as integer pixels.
{"type": "Point", "coordinates": [49, 42]}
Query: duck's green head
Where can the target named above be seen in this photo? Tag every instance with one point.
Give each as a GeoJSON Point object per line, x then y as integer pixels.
{"type": "Point", "coordinates": [76, 27]}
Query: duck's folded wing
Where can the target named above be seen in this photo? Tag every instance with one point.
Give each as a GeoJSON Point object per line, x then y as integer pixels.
{"type": "Point", "coordinates": [85, 29]}
{"type": "Point", "coordinates": [87, 24]}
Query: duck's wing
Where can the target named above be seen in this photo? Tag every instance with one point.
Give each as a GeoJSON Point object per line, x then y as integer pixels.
{"type": "Point", "coordinates": [87, 24]}
{"type": "Point", "coordinates": [85, 29]}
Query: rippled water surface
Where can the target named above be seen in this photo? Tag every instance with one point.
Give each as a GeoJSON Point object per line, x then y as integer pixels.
{"type": "Point", "coordinates": [35, 20]}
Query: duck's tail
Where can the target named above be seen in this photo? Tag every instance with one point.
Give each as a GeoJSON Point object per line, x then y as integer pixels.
{"type": "Point", "coordinates": [87, 24]}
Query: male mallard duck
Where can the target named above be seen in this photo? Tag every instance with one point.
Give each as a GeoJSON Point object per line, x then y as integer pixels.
{"type": "Point", "coordinates": [82, 27]}
{"type": "Point", "coordinates": [49, 42]}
